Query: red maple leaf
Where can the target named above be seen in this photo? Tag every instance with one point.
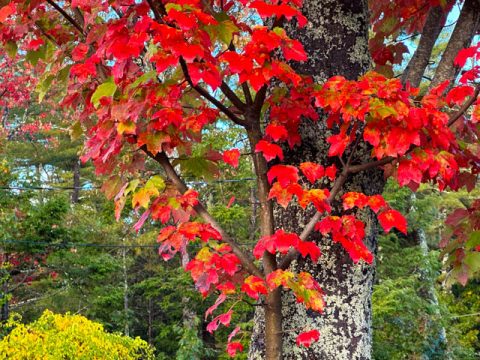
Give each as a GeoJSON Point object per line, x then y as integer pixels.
{"type": "Point", "coordinates": [220, 319]}
{"type": "Point", "coordinates": [270, 151]}
{"type": "Point", "coordinates": [285, 195]}
{"type": "Point", "coordinates": [309, 248]}
{"type": "Point", "coordinates": [231, 157]}
{"type": "Point", "coordinates": [233, 347]}
{"type": "Point", "coordinates": [285, 174]}
{"type": "Point", "coordinates": [312, 171]}
{"type": "Point", "coordinates": [253, 286]}
{"type": "Point", "coordinates": [307, 338]}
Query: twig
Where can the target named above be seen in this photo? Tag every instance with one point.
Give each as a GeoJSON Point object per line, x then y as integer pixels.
{"type": "Point", "coordinates": [465, 107]}
{"type": "Point", "coordinates": [67, 17]}
{"type": "Point", "coordinates": [172, 175]}
{"type": "Point", "coordinates": [209, 97]}
{"type": "Point", "coordinates": [307, 230]}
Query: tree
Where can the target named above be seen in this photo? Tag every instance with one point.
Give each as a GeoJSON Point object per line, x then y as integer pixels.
{"type": "Point", "coordinates": [147, 79]}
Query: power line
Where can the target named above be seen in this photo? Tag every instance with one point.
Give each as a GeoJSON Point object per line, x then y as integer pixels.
{"type": "Point", "coordinates": [73, 245]}
{"type": "Point", "coordinates": [48, 188]}
{"type": "Point", "coordinates": [91, 188]}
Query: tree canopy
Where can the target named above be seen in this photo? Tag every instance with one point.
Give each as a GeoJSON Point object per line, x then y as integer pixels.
{"type": "Point", "coordinates": [145, 81]}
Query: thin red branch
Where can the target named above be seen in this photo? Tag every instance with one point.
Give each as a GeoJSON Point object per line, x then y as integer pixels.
{"type": "Point", "coordinates": [172, 175]}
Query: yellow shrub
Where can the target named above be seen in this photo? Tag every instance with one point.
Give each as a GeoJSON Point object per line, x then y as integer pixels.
{"type": "Point", "coordinates": [65, 337]}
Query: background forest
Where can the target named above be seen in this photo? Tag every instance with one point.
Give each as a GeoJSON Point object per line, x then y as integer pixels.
{"type": "Point", "coordinates": [63, 250]}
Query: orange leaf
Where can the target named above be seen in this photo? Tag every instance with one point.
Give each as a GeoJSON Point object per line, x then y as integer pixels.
{"type": "Point", "coordinates": [231, 157]}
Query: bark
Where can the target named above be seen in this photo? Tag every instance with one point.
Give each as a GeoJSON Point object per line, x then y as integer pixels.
{"type": "Point", "coordinates": [273, 301]}
{"type": "Point", "coordinates": [429, 293]}
{"type": "Point", "coordinates": [462, 36]}
{"type": "Point", "coordinates": [336, 42]}
{"type": "Point", "coordinates": [253, 216]}
{"type": "Point", "coordinates": [419, 62]}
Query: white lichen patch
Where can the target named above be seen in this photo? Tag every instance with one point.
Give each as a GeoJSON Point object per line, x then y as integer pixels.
{"type": "Point", "coordinates": [345, 324]}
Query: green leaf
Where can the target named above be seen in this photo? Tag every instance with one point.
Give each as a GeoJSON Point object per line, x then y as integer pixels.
{"type": "Point", "coordinates": [388, 25]}
{"type": "Point", "coordinates": [473, 240]}
{"type": "Point", "coordinates": [107, 89]}
{"type": "Point", "coordinates": [149, 75]}
{"type": "Point", "coordinates": [76, 130]}
{"type": "Point", "coordinates": [132, 186]}
{"type": "Point", "coordinates": [11, 48]}
{"type": "Point", "coordinates": [43, 86]}
{"type": "Point", "coordinates": [223, 30]}
{"type": "Point", "coordinates": [170, 6]}
{"type": "Point", "coordinates": [472, 260]}
{"type": "Point", "coordinates": [155, 182]}
{"type": "Point", "coordinates": [33, 56]}
{"type": "Point", "coordinates": [198, 166]}
{"type": "Point", "coordinates": [126, 127]}
{"type": "Point", "coordinates": [63, 74]}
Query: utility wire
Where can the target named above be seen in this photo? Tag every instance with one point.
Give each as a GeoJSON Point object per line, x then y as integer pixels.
{"type": "Point", "coordinates": [72, 245]}
{"type": "Point", "coordinates": [48, 188]}
{"type": "Point", "coordinates": [90, 188]}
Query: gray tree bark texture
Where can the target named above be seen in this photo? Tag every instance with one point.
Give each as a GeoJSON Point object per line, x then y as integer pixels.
{"type": "Point", "coordinates": [466, 27]}
{"type": "Point", "coordinates": [419, 62]}
{"type": "Point", "coordinates": [336, 40]}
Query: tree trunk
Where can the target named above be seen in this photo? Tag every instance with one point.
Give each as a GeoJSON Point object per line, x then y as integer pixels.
{"type": "Point", "coordinates": [465, 29]}
{"type": "Point", "coordinates": [336, 40]}
{"type": "Point", "coordinates": [439, 344]}
{"type": "Point", "coordinates": [419, 62]}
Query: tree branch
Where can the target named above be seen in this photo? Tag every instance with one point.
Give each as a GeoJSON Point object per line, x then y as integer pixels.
{"type": "Point", "coordinates": [247, 93]}
{"type": "Point", "coordinates": [172, 175]}
{"type": "Point", "coordinates": [260, 98]}
{"type": "Point", "coordinates": [263, 189]}
{"type": "Point", "coordinates": [386, 160]}
{"type": "Point", "coordinates": [362, 167]}
{"type": "Point", "coordinates": [465, 107]}
{"type": "Point", "coordinates": [308, 229]}
{"type": "Point", "coordinates": [228, 92]}
{"type": "Point", "coordinates": [210, 97]}
{"type": "Point", "coordinates": [156, 12]}
{"type": "Point", "coordinates": [67, 17]}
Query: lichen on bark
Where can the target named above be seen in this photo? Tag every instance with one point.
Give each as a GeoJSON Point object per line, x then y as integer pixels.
{"type": "Point", "coordinates": [336, 40]}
